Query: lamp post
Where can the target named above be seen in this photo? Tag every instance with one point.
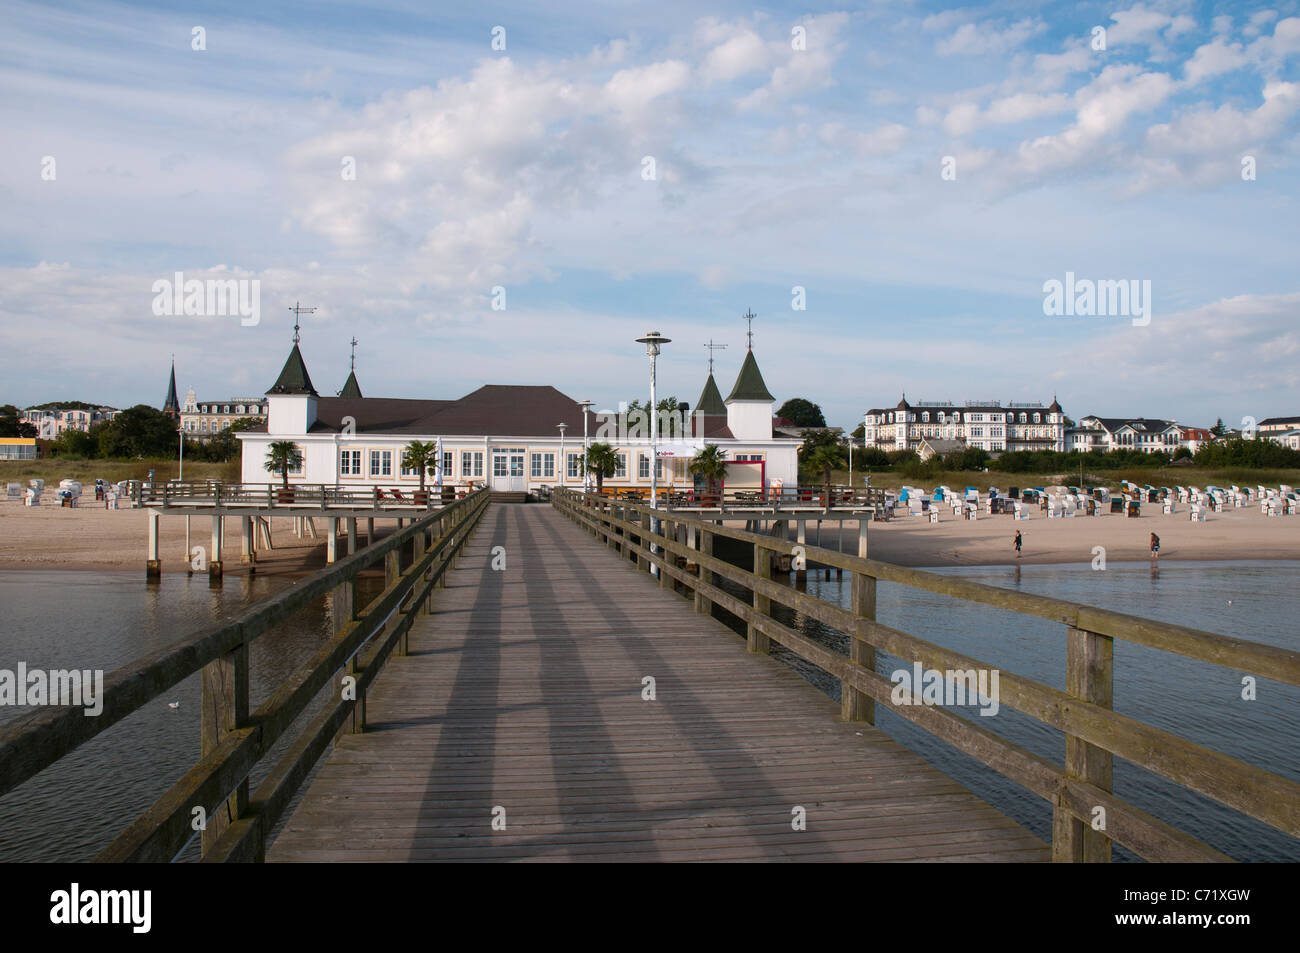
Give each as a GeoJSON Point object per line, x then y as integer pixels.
{"type": "Point", "coordinates": [563, 466]}
{"type": "Point", "coordinates": [653, 341]}
{"type": "Point", "coordinates": [180, 467]}
{"type": "Point", "coordinates": [586, 405]}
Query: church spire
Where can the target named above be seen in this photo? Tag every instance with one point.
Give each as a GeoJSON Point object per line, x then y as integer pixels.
{"type": "Point", "coordinates": [172, 406]}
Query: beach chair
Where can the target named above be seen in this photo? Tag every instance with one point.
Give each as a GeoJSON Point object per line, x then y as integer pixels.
{"type": "Point", "coordinates": [934, 516]}
{"type": "Point", "coordinates": [33, 497]}
{"type": "Point", "coordinates": [1019, 513]}
{"type": "Point", "coordinates": [1169, 507]}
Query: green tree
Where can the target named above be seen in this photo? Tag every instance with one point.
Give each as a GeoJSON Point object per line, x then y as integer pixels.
{"type": "Point", "coordinates": [802, 413]}
{"type": "Point", "coordinates": [281, 457]}
{"type": "Point", "coordinates": [602, 463]}
{"type": "Point", "coordinates": [825, 458]}
{"type": "Point", "coordinates": [421, 456]}
{"type": "Point", "coordinates": [860, 432]}
{"type": "Point", "coordinates": [710, 464]}
{"type": "Point", "coordinates": [12, 426]}
{"type": "Point", "coordinates": [1218, 429]}
{"type": "Point", "coordinates": [672, 426]}
{"type": "Point", "coordinates": [823, 445]}
{"type": "Point", "coordinates": [137, 432]}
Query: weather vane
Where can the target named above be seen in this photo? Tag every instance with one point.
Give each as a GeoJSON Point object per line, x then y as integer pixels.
{"type": "Point", "coordinates": [297, 311]}
{"type": "Point", "coordinates": [713, 347]}
{"type": "Point", "coordinates": [354, 353]}
{"type": "Point", "coordinates": [749, 316]}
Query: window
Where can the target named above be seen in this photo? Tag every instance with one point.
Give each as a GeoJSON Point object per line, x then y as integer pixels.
{"type": "Point", "coordinates": [643, 467]}
{"type": "Point", "coordinates": [446, 464]}
{"type": "Point", "coordinates": [573, 466]}
{"type": "Point", "coordinates": [748, 457]}
{"type": "Point", "coordinates": [349, 463]}
{"type": "Point", "coordinates": [977, 431]}
{"type": "Point", "coordinates": [471, 463]}
{"type": "Point", "coordinates": [225, 409]}
{"type": "Point", "coordinates": [297, 471]}
{"type": "Point", "coordinates": [1038, 418]}
{"type": "Point", "coordinates": [620, 468]}
{"type": "Point", "coordinates": [542, 466]}
{"type": "Point", "coordinates": [381, 463]}
{"type": "Point", "coordinates": [500, 465]}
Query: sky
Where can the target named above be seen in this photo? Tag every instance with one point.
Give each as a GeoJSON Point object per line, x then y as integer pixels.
{"type": "Point", "coordinates": [515, 192]}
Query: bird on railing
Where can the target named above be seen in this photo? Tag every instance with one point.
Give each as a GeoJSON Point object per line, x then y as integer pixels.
{"type": "Point", "coordinates": [173, 705]}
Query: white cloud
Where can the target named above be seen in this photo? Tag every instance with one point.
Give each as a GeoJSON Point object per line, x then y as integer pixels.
{"type": "Point", "coordinates": [986, 39]}
{"type": "Point", "coordinates": [1214, 59]}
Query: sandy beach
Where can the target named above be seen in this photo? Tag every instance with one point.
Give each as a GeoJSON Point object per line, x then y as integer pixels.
{"type": "Point", "coordinates": [914, 541]}
{"type": "Point", "coordinates": [90, 537]}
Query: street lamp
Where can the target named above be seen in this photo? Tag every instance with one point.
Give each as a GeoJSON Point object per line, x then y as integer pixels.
{"type": "Point", "coordinates": [586, 405]}
{"type": "Point", "coordinates": [653, 341]}
{"type": "Point", "coordinates": [563, 467]}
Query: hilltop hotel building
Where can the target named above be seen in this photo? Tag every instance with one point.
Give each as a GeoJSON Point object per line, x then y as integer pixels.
{"type": "Point", "coordinates": [983, 424]}
{"type": "Point", "coordinates": [507, 436]}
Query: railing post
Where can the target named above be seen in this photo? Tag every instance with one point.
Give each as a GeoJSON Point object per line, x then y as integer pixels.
{"type": "Point", "coordinates": [1089, 676]}
{"type": "Point", "coordinates": [854, 704]}
{"type": "Point", "coordinates": [665, 580]}
{"type": "Point", "coordinates": [756, 641]}
{"type": "Point", "coordinates": [703, 604]}
{"type": "Point", "coordinates": [225, 709]}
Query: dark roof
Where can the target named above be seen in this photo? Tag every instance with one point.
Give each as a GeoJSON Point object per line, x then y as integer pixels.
{"type": "Point", "coordinates": [1054, 407]}
{"type": "Point", "coordinates": [351, 388]}
{"type": "Point", "coordinates": [1279, 420]}
{"type": "Point", "coordinates": [1137, 423]}
{"type": "Point", "coordinates": [903, 404]}
{"type": "Point", "coordinates": [749, 383]}
{"type": "Point", "coordinates": [710, 401]}
{"type": "Point", "coordinates": [294, 379]}
{"type": "Point", "coordinates": [171, 405]}
{"type": "Point", "coordinates": [492, 410]}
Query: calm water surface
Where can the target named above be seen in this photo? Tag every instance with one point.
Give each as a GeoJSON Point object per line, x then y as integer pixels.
{"type": "Point", "coordinates": [105, 620]}
{"type": "Point", "coordinates": [1198, 701]}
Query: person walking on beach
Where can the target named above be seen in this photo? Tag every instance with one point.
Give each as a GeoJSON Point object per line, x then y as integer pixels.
{"type": "Point", "coordinates": [1018, 544]}
{"type": "Point", "coordinates": [1155, 546]}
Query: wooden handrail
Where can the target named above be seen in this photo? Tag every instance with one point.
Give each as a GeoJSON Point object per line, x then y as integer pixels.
{"type": "Point", "coordinates": [233, 739]}
{"type": "Point", "coordinates": [1094, 732]}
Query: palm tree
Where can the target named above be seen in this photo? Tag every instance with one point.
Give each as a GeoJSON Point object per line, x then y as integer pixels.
{"type": "Point", "coordinates": [281, 457]}
{"type": "Point", "coordinates": [711, 464]}
{"type": "Point", "coordinates": [825, 457]}
{"type": "Point", "coordinates": [602, 461]}
{"type": "Point", "coordinates": [421, 456]}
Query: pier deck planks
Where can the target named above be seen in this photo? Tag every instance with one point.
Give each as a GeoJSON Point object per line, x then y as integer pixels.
{"type": "Point", "coordinates": [523, 690]}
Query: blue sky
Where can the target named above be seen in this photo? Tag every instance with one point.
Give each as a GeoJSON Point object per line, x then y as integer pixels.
{"type": "Point", "coordinates": [775, 167]}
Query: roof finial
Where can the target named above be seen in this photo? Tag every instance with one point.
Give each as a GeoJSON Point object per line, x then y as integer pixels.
{"type": "Point", "coordinates": [298, 310]}
{"type": "Point", "coordinates": [354, 353]}
{"type": "Point", "coordinates": [713, 347]}
{"type": "Point", "coordinates": [749, 316]}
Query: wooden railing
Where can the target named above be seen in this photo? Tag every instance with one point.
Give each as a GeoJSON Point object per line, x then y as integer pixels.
{"type": "Point", "coordinates": [1094, 732]}
{"type": "Point", "coordinates": [296, 495]}
{"type": "Point", "coordinates": [809, 496]}
{"type": "Point", "coordinates": [236, 824]}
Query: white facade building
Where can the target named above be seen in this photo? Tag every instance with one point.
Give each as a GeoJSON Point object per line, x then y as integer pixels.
{"type": "Point", "coordinates": [987, 425]}
{"type": "Point", "coordinates": [507, 436]}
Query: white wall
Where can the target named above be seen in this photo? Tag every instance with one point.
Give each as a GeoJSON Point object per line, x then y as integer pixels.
{"type": "Point", "coordinates": [750, 419]}
{"type": "Point", "coordinates": [290, 414]}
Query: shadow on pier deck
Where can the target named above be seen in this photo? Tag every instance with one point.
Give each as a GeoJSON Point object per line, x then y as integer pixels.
{"type": "Point", "coordinates": [522, 700]}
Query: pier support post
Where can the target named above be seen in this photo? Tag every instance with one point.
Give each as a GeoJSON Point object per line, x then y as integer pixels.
{"type": "Point", "coordinates": [370, 530]}
{"type": "Point", "coordinates": [854, 704]}
{"type": "Point", "coordinates": [332, 542]}
{"type": "Point", "coordinates": [245, 539]}
{"type": "Point", "coordinates": [153, 565]}
{"type": "Point", "coordinates": [756, 641]}
{"type": "Point", "coordinates": [218, 538]}
{"type": "Point", "coordinates": [665, 530]}
{"type": "Point", "coordinates": [189, 550]}
{"type": "Point", "coordinates": [352, 535]}
{"type": "Point", "coordinates": [703, 604]}
{"type": "Point", "coordinates": [225, 709]}
{"type": "Point", "coordinates": [1089, 671]}
{"type": "Point", "coordinates": [801, 575]}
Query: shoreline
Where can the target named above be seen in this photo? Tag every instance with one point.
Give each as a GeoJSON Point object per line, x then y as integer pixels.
{"type": "Point", "coordinates": [90, 538]}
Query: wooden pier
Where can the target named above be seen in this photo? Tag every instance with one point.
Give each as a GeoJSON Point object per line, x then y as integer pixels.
{"type": "Point", "coordinates": [525, 692]}
{"type": "Point", "coordinates": [549, 683]}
